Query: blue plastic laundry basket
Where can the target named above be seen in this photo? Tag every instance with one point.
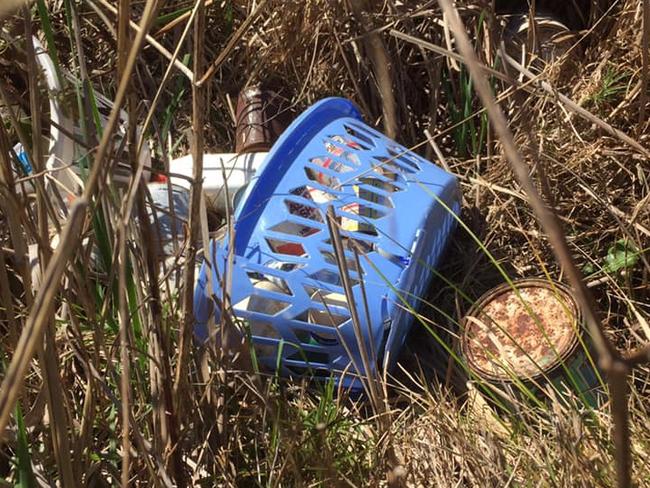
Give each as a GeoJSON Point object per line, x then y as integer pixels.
{"type": "Point", "coordinates": [285, 280]}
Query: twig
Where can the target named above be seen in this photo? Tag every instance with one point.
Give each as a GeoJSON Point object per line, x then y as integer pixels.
{"type": "Point", "coordinates": [125, 373]}
{"type": "Point", "coordinates": [198, 116]}
{"type": "Point", "coordinates": [123, 38]}
{"type": "Point", "coordinates": [436, 149]}
{"type": "Point", "coordinates": [232, 42]}
{"type": "Point", "coordinates": [154, 43]}
{"type": "Point", "coordinates": [341, 261]}
{"type": "Point", "coordinates": [645, 41]}
{"type": "Point", "coordinates": [178, 20]}
{"type": "Point", "coordinates": [380, 62]}
{"type": "Point", "coordinates": [395, 476]}
{"type": "Point", "coordinates": [46, 350]}
{"type": "Point", "coordinates": [618, 392]}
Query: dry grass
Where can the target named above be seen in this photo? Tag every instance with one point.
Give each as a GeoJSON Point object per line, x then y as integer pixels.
{"type": "Point", "coordinates": [104, 363]}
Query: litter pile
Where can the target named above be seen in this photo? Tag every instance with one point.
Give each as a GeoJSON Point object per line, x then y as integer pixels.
{"type": "Point", "coordinates": [371, 290]}
{"type": "Point", "coordinates": [338, 232]}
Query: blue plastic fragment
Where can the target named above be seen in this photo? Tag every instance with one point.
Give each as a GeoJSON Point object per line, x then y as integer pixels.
{"type": "Point", "coordinates": [23, 159]}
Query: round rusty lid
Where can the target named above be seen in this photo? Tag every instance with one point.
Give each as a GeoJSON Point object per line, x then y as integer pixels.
{"type": "Point", "coordinates": [502, 338]}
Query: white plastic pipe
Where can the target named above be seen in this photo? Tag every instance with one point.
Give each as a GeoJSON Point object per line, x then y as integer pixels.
{"type": "Point", "coordinates": [238, 170]}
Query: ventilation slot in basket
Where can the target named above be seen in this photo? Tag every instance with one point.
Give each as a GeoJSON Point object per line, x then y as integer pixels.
{"type": "Point", "coordinates": [326, 317]}
{"type": "Point", "coordinates": [360, 135]}
{"type": "Point", "coordinates": [316, 371]}
{"type": "Point", "coordinates": [355, 219]}
{"type": "Point", "coordinates": [374, 197]}
{"type": "Point", "coordinates": [380, 184]}
{"type": "Point", "coordinates": [331, 164]}
{"type": "Point", "coordinates": [330, 277]}
{"type": "Point", "coordinates": [403, 156]}
{"type": "Point", "coordinates": [293, 229]}
{"type": "Point", "coordinates": [324, 336]}
{"type": "Point", "coordinates": [279, 285]}
{"type": "Point", "coordinates": [341, 153]}
{"type": "Point", "coordinates": [326, 297]}
{"type": "Point", "coordinates": [289, 248]}
{"type": "Point", "coordinates": [332, 311]}
{"type": "Point", "coordinates": [314, 196]}
{"type": "Point", "coordinates": [330, 258]}
{"type": "Point", "coordinates": [393, 163]}
{"type": "Point", "coordinates": [347, 142]}
{"type": "Point", "coordinates": [301, 209]}
{"type": "Point", "coordinates": [322, 178]}
{"type": "Point", "coordinates": [266, 331]}
{"type": "Point", "coordinates": [262, 329]}
{"type": "Point", "coordinates": [283, 265]}
{"type": "Point", "coordinates": [390, 173]}
{"type": "Point", "coordinates": [260, 304]}
{"type": "Point", "coordinates": [309, 357]}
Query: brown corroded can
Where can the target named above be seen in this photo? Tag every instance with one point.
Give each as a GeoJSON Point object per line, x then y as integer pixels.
{"type": "Point", "coordinates": [260, 119]}
{"type": "Point", "coordinates": [529, 340]}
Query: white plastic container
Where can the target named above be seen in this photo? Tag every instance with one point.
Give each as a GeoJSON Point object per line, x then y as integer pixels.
{"type": "Point", "coordinates": [238, 169]}
{"type": "Point", "coordinates": [169, 227]}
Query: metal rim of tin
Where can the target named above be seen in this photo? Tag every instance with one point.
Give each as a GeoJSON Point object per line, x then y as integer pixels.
{"type": "Point", "coordinates": [562, 355]}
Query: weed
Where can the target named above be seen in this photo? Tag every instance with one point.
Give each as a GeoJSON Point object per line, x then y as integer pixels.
{"type": "Point", "coordinates": [612, 84]}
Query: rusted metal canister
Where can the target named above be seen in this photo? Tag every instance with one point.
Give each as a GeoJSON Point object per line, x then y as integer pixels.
{"type": "Point", "coordinates": [260, 120]}
{"type": "Point", "coordinates": [530, 342]}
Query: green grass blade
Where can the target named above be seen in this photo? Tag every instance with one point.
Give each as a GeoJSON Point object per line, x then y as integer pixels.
{"type": "Point", "coordinates": [25, 473]}
{"type": "Point", "coordinates": [166, 18]}
{"type": "Point", "coordinates": [46, 24]}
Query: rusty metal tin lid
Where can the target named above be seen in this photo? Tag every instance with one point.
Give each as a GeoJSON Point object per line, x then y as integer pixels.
{"type": "Point", "coordinates": [501, 338]}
